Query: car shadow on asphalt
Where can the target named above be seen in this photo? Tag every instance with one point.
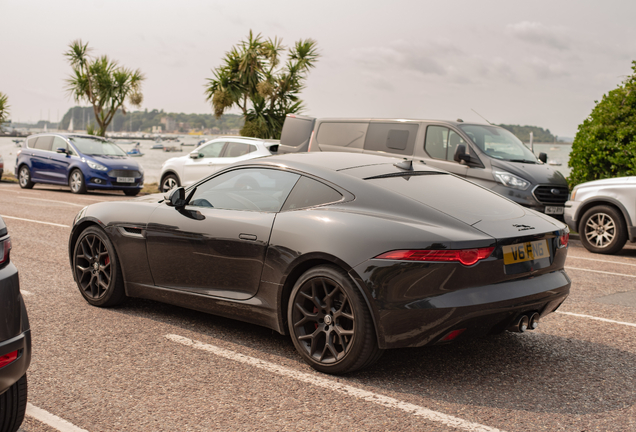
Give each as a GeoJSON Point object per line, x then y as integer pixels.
{"type": "Point", "coordinates": [532, 372]}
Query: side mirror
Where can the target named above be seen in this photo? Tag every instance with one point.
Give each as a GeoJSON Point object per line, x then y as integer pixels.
{"type": "Point", "coordinates": [543, 157]}
{"type": "Point", "coordinates": [460, 154]}
{"type": "Point", "coordinates": [195, 155]}
{"type": "Point", "coordinates": [176, 198]}
{"type": "Point", "coordinates": [61, 150]}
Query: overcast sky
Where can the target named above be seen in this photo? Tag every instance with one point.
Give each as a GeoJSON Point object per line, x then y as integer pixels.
{"type": "Point", "coordinates": [540, 63]}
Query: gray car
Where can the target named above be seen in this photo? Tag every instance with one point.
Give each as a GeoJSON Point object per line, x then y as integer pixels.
{"type": "Point", "coordinates": [604, 213]}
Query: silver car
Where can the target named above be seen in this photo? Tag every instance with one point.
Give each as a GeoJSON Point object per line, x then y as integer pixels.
{"type": "Point", "coordinates": [604, 213]}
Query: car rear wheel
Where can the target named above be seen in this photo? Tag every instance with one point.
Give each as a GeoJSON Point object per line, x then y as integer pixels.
{"type": "Point", "coordinates": [24, 177]}
{"type": "Point", "coordinates": [329, 322]}
{"type": "Point", "coordinates": [170, 181]}
{"type": "Point", "coordinates": [97, 271]}
{"type": "Point", "coordinates": [76, 182]}
{"type": "Point", "coordinates": [602, 230]}
{"type": "Point", "coordinates": [131, 192]}
{"type": "Point", "coordinates": [13, 404]}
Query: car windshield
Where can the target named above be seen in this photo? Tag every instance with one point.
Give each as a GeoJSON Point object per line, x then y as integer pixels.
{"type": "Point", "coordinates": [499, 143]}
{"type": "Point", "coordinates": [96, 147]}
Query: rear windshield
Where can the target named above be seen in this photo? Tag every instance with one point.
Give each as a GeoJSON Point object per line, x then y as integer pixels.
{"type": "Point", "coordinates": [96, 147]}
{"type": "Point", "coordinates": [452, 195]}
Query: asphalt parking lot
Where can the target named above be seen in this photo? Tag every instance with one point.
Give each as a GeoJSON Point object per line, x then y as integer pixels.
{"type": "Point", "coordinates": [147, 366]}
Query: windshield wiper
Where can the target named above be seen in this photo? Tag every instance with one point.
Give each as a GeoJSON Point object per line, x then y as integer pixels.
{"type": "Point", "coordinates": [522, 161]}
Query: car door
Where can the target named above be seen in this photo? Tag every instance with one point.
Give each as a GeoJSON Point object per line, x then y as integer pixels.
{"type": "Point", "coordinates": [205, 164]}
{"type": "Point", "coordinates": [40, 159]}
{"type": "Point", "coordinates": [234, 152]}
{"type": "Point", "coordinates": [217, 244]}
{"type": "Point", "coordinates": [439, 145]}
{"type": "Point", "coordinates": [59, 162]}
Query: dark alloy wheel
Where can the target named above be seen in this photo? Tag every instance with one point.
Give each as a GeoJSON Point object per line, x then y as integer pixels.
{"type": "Point", "coordinates": [97, 270]}
{"type": "Point", "coordinates": [76, 182]}
{"type": "Point", "coordinates": [329, 322]}
{"type": "Point", "coordinates": [13, 404]}
{"type": "Point", "coordinates": [24, 177]}
{"type": "Point", "coordinates": [170, 181]}
{"type": "Point", "coordinates": [602, 230]}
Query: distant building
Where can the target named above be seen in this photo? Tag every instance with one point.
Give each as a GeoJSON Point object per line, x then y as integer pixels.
{"type": "Point", "coordinates": [169, 123]}
{"type": "Point", "coordinates": [157, 129]}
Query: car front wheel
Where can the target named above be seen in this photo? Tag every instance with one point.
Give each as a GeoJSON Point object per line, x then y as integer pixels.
{"type": "Point", "coordinates": [76, 182]}
{"type": "Point", "coordinates": [602, 230]}
{"type": "Point", "coordinates": [97, 271]}
{"type": "Point", "coordinates": [170, 181]}
{"type": "Point", "coordinates": [330, 323]}
{"type": "Point", "coordinates": [13, 404]}
{"type": "Point", "coordinates": [24, 177]}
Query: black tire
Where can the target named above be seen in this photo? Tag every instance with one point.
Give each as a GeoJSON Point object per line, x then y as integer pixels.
{"type": "Point", "coordinates": [24, 177]}
{"type": "Point", "coordinates": [76, 182]}
{"type": "Point", "coordinates": [603, 230]}
{"type": "Point", "coordinates": [132, 192]}
{"type": "Point", "coordinates": [329, 322]}
{"type": "Point", "coordinates": [13, 404]}
{"type": "Point", "coordinates": [169, 182]}
{"type": "Point", "coordinates": [97, 269]}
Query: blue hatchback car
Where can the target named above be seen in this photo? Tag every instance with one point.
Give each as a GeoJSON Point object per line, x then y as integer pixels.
{"type": "Point", "coordinates": [82, 162]}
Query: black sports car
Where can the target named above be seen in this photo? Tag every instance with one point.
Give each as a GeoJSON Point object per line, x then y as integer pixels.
{"type": "Point", "coordinates": [15, 341]}
{"type": "Point", "coordinates": [349, 253]}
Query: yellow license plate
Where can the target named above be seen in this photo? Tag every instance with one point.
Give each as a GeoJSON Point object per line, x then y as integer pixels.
{"type": "Point", "coordinates": [526, 252]}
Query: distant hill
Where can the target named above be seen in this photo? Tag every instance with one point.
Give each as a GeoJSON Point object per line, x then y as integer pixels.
{"type": "Point", "coordinates": [523, 133]}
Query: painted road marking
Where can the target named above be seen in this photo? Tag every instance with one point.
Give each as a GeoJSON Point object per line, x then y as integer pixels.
{"type": "Point", "coordinates": [597, 318]}
{"type": "Point", "coordinates": [603, 261]}
{"type": "Point", "coordinates": [51, 419]}
{"type": "Point", "coordinates": [339, 387]}
{"type": "Point", "coordinates": [34, 221]}
{"type": "Point", "coordinates": [26, 293]}
{"type": "Point", "coordinates": [55, 201]}
{"type": "Point", "coordinates": [599, 271]}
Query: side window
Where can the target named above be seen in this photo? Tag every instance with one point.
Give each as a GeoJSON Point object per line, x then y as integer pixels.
{"type": "Point", "coordinates": [391, 137]}
{"type": "Point", "coordinates": [60, 143]}
{"type": "Point", "coordinates": [212, 150]}
{"type": "Point", "coordinates": [31, 142]}
{"type": "Point", "coordinates": [44, 143]}
{"type": "Point", "coordinates": [339, 134]}
{"type": "Point", "coordinates": [436, 141]}
{"type": "Point", "coordinates": [453, 141]}
{"type": "Point", "coordinates": [309, 193]}
{"type": "Point", "coordinates": [251, 189]}
{"type": "Point", "coordinates": [234, 149]}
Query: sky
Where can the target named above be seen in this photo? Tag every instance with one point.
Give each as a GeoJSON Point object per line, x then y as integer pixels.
{"type": "Point", "coordinates": [541, 63]}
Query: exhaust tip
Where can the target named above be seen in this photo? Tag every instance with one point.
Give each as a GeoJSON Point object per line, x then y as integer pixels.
{"type": "Point", "coordinates": [534, 321]}
{"type": "Point", "coordinates": [520, 325]}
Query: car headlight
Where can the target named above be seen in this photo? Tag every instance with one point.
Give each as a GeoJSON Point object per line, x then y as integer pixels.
{"type": "Point", "coordinates": [573, 194]}
{"type": "Point", "coordinates": [511, 180]}
{"type": "Point", "coordinates": [141, 169]}
{"type": "Point", "coordinates": [96, 166]}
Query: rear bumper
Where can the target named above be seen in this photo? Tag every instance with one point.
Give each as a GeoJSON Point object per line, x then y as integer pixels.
{"type": "Point", "coordinates": [479, 310]}
{"type": "Point", "coordinates": [12, 372]}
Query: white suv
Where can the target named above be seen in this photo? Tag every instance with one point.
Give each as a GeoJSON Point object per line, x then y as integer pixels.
{"type": "Point", "coordinates": [211, 157]}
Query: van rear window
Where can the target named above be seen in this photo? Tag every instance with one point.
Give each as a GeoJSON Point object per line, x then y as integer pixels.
{"type": "Point", "coordinates": [296, 131]}
{"type": "Point", "coordinates": [342, 134]}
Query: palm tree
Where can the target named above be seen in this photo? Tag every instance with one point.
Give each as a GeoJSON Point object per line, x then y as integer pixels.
{"type": "Point", "coordinates": [4, 109]}
{"type": "Point", "coordinates": [102, 83]}
{"type": "Point", "coordinates": [252, 78]}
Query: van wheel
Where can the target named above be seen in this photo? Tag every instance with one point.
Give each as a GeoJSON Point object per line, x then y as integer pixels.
{"type": "Point", "coordinates": [602, 230]}
{"type": "Point", "coordinates": [24, 177]}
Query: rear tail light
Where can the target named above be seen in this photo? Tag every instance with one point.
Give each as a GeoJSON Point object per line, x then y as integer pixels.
{"type": "Point", "coordinates": [467, 257]}
{"type": "Point", "coordinates": [8, 358]}
{"type": "Point", "coordinates": [5, 247]}
{"type": "Point", "coordinates": [452, 335]}
{"type": "Point", "coordinates": [564, 240]}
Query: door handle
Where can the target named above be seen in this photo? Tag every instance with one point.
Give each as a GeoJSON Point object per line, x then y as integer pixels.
{"type": "Point", "coordinates": [247, 236]}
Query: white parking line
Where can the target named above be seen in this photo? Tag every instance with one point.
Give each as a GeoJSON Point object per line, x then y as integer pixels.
{"type": "Point", "coordinates": [52, 420]}
{"type": "Point", "coordinates": [339, 387]}
{"type": "Point", "coordinates": [599, 271]}
{"type": "Point", "coordinates": [35, 221]}
{"type": "Point", "coordinates": [603, 261]}
{"type": "Point", "coordinates": [55, 201]}
{"type": "Point", "coordinates": [26, 293]}
{"type": "Point", "coordinates": [597, 318]}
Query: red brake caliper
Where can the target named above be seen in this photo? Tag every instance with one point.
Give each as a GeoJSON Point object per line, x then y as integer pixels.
{"type": "Point", "coordinates": [107, 261]}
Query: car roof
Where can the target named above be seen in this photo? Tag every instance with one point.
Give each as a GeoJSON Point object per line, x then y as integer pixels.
{"type": "Point", "coordinates": [457, 122]}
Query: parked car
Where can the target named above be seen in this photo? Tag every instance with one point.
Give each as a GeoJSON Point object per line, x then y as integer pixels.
{"type": "Point", "coordinates": [83, 162]}
{"type": "Point", "coordinates": [484, 154]}
{"type": "Point", "coordinates": [350, 254]}
{"type": "Point", "coordinates": [210, 157]}
{"type": "Point", "coordinates": [15, 341]}
{"type": "Point", "coordinates": [604, 213]}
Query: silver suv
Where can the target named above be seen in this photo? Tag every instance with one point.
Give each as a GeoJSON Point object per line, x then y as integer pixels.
{"type": "Point", "coordinates": [603, 212]}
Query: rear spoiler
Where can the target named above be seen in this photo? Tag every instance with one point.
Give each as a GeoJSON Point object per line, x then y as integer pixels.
{"type": "Point", "coordinates": [296, 134]}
